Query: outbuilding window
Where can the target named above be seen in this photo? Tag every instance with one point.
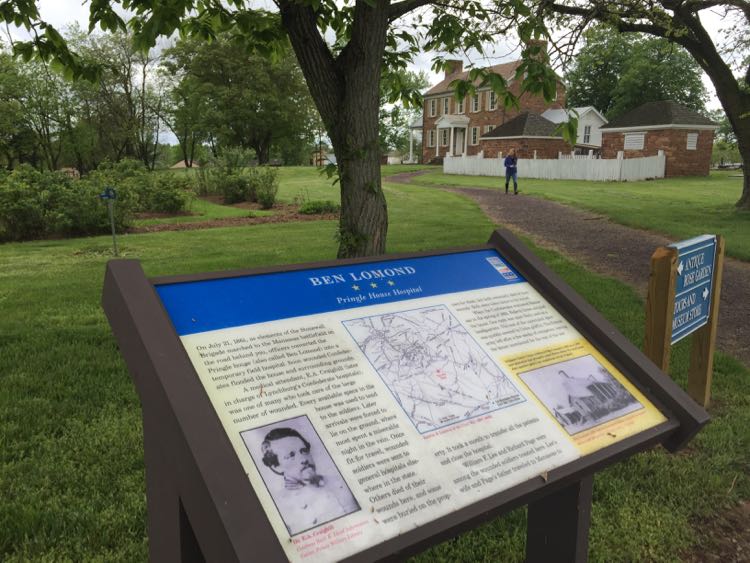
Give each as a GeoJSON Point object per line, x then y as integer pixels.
{"type": "Point", "coordinates": [634, 141]}
{"type": "Point", "coordinates": [692, 141]}
{"type": "Point", "coordinates": [586, 134]}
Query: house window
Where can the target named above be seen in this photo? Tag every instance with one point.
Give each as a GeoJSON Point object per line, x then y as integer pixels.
{"type": "Point", "coordinates": [692, 141]}
{"type": "Point", "coordinates": [431, 138]}
{"type": "Point", "coordinates": [487, 129]}
{"type": "Point", "coordinates": [475, 103]}
{"type": "Point", "coordinates": [446, 106]}
{"type": "Point", "coordinates": [433, 108]}
{"type": "Point", "coordinates": [634, 141]}
{"type": "Point", "coordinates": [586, 134]}
{"type": "Point", "coordinates": [491, 101]}
{"type": "Point", "coordinates": [475, 135]}
{"type": "Point", "coordinates": [444, 137]}
{"type": "Point", "coordinates": [460, 106]}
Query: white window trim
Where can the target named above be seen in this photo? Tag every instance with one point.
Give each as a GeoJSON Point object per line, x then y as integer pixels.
{"type": "Point", "coordinates": [633, 137]}
{"type": "Point", "coordinates": [694, 138]}
{"type": "Point", "coordinates": [488, 128]}
{"type": "Point", "coordinates": [474, 138]}
{"type": "Point", "coordinates": [433, 107]}
{"type": "Point", "coordinates": [476, 102]}
{"type": "Point", "coordinates": [491, 104]}
{"type": "Point", "coordinates": [446, 106]}
{"type": "Point", "coordinates": [460, 105]}
{"type": "Point", "coordinates": [444, 136]}
{"type": "Point", "coordinates": [586, 134]}
{"type": "Point", "coordinates": [431, 139]}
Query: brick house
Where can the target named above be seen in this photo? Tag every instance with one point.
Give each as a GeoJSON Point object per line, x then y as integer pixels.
{"type": "Point", "coordinates": [532, 135]}
{"type": "Point", "coordinates": [452, 126]}
{"type": "Point", "coordinates": [685, 136]}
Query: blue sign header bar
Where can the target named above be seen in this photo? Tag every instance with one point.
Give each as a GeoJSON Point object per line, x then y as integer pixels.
{"type": "Point", "coordinates": [202, 306]}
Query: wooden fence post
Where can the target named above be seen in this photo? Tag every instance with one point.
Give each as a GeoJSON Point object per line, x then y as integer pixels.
{"type": "Point", "coordinates": [660, 306]}
{"type": "Point", "coordinates": [703, 343]}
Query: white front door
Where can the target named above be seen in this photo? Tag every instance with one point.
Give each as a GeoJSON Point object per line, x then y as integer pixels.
{"type": "Point", "coordinates": [459, 148]}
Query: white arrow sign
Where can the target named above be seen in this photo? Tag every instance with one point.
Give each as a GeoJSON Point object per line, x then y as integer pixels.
{"type": "Point", "coordinates": [680, 267]}
{"type": "Point", "coordinates": [705, 293]}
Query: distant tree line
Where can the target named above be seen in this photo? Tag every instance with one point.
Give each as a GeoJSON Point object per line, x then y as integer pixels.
{"type": "Point", "coordinates": [210, 96]}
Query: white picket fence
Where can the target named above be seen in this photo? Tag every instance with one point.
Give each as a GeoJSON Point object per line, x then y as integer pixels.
{"type": "Point", "coordinates": [611, 169]}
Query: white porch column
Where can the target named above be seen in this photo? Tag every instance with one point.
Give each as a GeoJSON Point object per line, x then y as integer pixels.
{"type": "Point", "coordinates": [450, 146]}
{"type": "Point", "coordinates": [437, 142]}
{"type": "Point", "coordinates": [466, 139]}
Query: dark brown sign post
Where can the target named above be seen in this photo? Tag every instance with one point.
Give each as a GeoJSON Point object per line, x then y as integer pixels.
{"type": "Point", "coordinates": [367, 409]}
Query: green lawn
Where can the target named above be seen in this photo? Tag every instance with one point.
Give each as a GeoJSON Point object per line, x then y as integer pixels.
{"type": "Point", "coordinates": [677, 207]}
{"type": "Point", "coordinates": [71, 457]}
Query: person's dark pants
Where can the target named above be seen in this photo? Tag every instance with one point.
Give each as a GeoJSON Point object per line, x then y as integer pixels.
{"type": "Point", "coordinates": [508, 175]}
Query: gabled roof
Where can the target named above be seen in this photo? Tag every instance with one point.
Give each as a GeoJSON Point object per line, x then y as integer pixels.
{"type": "Point", "coordinates": [560, 115]}
{"type": "Point", "coordinates": [506, 70]}
{"type": "Point", "coordinates": [528, 124]}
{"type": "Point", "coordinates": [659, 113]}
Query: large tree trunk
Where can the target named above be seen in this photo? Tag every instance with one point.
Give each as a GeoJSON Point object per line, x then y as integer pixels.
{"type": "Point", "coordinates": [346, 93]}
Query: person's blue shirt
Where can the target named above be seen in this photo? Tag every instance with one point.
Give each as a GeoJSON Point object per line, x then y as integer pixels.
{"type": "Point", "coordinates": [510, 163]}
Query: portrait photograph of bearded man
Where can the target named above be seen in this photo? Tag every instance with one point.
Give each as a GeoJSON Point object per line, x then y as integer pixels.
{"type": "Point", "coordinates": [304, 482]}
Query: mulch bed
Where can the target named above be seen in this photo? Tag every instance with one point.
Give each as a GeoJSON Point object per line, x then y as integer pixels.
{"type": "Point", "coordinates": [282, 213]}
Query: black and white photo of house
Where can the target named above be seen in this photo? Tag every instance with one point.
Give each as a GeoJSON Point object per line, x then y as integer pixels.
{"type": "Point", "coordinates": [580, 393]}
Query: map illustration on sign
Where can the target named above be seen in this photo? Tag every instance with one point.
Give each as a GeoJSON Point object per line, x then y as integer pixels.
{"type": "Point", "coordinates": [434, 368]}
{"type": "Point", "coordinates": [580, 393]}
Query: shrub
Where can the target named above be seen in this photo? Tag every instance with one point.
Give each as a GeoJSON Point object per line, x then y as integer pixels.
{"type": "Point", "coordinates": [266, 184]}
{"type": "Point", "coordinates": [319, 207]}
{"type": "Point", "coordinates": [169, 193]}
{"type": "Point", "coordinates": [234, 188]}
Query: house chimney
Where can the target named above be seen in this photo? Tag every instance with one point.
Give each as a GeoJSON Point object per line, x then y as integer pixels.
{"type": "Point", "coordinates": [453, 67]}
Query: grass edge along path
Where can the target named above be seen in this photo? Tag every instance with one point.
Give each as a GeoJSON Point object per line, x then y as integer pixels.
{"type": "Point", "coordinates": [670, 206]}
{"type": "Point", "coordinates": [71, 465]}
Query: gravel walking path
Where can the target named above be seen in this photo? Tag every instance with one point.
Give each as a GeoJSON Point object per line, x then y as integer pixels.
{"type": "Point", "coordinates": [607, 248]}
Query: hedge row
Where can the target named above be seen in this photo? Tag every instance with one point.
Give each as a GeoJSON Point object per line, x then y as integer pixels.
{"type": "Point", "coordinates": [35, 204]}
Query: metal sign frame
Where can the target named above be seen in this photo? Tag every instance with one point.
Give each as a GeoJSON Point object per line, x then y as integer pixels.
{"type": "Point", "coordinates": [201, 505]}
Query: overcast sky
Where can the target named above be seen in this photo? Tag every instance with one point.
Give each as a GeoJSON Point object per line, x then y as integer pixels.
{"type": "Point", "coordinates": [61, 13]}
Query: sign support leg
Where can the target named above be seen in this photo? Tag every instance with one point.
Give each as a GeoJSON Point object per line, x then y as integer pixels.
{"type": "Point", "coordinates": [703, 343]}
{"type": "Point", "coordinates": [558, 525]}
{"type": "Point", "coordinates": [170, 535]}
{"type": "Point", "coordinates": [660, 307]}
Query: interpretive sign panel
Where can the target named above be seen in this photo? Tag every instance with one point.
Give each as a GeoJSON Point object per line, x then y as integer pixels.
{"type": "Point", "coordinates": [365, 408]}
{"type": "Point", "coordinates": [692, 300]}
{"type": "Point", "coordinates": [367, 400]}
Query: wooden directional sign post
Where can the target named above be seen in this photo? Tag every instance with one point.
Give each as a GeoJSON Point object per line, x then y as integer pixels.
{"type": "Point", "coordinates": [367, 409]}
{"type": "Point", "coordinates": [683, 299]}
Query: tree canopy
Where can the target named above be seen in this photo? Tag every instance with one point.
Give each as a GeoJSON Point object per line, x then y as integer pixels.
{"type": "Point", "coordinates": [616, 73]}
{"type": "Point", "coordinates": [344, 50]}
{"type": "Point", "coordinates": [679, 22]}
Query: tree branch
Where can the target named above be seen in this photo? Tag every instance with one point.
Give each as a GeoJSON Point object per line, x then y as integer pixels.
{"type": "Point", "coordinates": [398, 9]}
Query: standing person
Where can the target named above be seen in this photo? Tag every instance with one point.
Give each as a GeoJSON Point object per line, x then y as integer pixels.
{"type": "Point", "coordinates": [511, 170]}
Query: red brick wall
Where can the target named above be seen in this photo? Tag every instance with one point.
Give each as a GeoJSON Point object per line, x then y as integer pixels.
{"type": "Point", "coordinates": [545, 148]}
{"type": "Point", "coordinates": [680, 161]}
{"type": "Point", "coordinates": [483, 117]}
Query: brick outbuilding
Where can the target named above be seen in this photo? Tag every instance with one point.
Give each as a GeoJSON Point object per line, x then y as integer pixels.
{"type": "Point", "coordinates": [685, 136]}
{"type": "Point", "coordinates": [532, 135]}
